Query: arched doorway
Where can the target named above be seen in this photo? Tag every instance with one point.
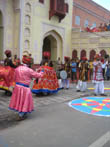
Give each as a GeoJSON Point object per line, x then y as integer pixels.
{"type": "Point", "coordinates": [1, 36]}
{"type": "Point", "coordinates": [74, 54]}
{"type": "Point", "coordinates": [83, 54]}
{"type": "Point", "coordinates": [52, 44]}
{"type": "Point", "coordinates": [103, 53]}
{"type": "Point", "coordinates": [92, 54]}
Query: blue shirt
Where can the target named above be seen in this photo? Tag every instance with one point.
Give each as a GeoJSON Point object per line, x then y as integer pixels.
{"type": "Point", "coordinates": [73, 65]}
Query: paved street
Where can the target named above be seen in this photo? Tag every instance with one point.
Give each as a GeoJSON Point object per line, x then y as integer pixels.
{"type": "Point", "coordinates": [54, 123]}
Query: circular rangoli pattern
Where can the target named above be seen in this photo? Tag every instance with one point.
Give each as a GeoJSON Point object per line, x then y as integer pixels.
{"type": "Point", "coordinates": [92, 105]}
{"type": "Point", "coordinates": [93, 88]}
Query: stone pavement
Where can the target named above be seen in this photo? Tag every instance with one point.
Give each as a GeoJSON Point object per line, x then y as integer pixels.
{"type": "Point", "coordinates": [39, 101]}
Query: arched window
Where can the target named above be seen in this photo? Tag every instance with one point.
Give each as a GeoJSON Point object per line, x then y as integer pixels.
{"type": "Point", "coordinates": [28, 7]}
{"type": "Point", "coordinates": [27, 19]}
{"type": "Point", "coordinates": [92, 54]}
{"type": "Point", "coordinates": [94, 25]}
{"type": "Point", "coordinates": [41, 1]}
{"type": "Point", "coordinates": [77, 20]}
{"type": "Point", "coordinates": [103, 53]}
{"type": "Point", "coordinates": [27, 44]}
{"type": "Point", "coordinates": [74, 54]}
{"type": "Point", "coordinates": [27, 32]}
{"type": "Point", "coordinates": [86, 23]}
{"type": "Point", "coordinates": [83, 54]}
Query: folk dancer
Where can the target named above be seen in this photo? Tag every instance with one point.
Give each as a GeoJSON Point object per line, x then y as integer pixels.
{"type": "Point", "coordinates": [98, 78]}
{"type": "Point", "coordinates": [83, 75]}
{"type": "Point", "coordinates": [73, 70]}
{"type": "Point", "coordinates": [8, 62]}
{"type": "Point", "coordinates": [21, 100]}
{"type": "Point", "coordinates": [8, 59]}
{"type": "Point", "coordinates": [67, 68]}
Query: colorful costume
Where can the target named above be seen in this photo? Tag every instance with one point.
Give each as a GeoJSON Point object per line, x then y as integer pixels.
{"type": "Point", "coordinates": [6, 77]}
{"type": "Point", "coordinates": [7, 73]}
{"type": "Point", "coordinates": [8, 60]}
{"type": "Point", "coordinates": [83, 76]}
{"type": "Point", "coordinates": [48, 83]}
{"type": "Point", "coordinates": [108, 71]}
{"type": "Point", "coordinates": [21, 99]}
{"type": "Point", "coordinates": [66, 82]}
{"type": "Point", "coordinates": [98, 79]}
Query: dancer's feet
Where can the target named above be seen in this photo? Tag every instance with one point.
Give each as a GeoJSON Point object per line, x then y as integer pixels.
{"type": "Point", "coordinates": [103, 94]}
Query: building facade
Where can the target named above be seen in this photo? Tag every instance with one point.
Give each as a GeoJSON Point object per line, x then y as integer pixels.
{"type": "Point", "coordinates": [39, 26]}
{"type": "Point", "coordinates": [85, 44]}
{"type": "Point", "coordinates": [87, 12]}
{"type": "Point", "coordinates": [36, 26]}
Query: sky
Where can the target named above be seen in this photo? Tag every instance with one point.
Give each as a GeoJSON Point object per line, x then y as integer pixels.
{"type": "Point", "coordinates": [104, 3]}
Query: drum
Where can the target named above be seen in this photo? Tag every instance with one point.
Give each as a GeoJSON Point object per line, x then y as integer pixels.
{"type": "Point", "coordinates": [63, 74]}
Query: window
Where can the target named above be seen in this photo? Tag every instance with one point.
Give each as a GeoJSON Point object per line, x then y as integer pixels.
{"type": "Point", "coordinates": [27, 20]}
{"type": "Point", "coordinates": [86, 23]}
{"type": "Point", "coordinates": [77, 20]}
{"type": "Point", "coordinates": [41, 1]}
{"type": "Point", "coordinates": [28, 7]}
{"type": "Point", "coordinates": [67, 8]}
{"type": "Point", "coordinates": [94, 25]}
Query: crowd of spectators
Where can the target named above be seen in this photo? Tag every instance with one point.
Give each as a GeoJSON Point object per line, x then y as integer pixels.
{"type": "Point", "coordinates": [74, 69]}
{"type": "Point", "coordinates": [101, 28]}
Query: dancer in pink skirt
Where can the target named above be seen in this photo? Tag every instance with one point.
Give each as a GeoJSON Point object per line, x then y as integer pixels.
{"type": "Point", "coordinates": [21, 100]}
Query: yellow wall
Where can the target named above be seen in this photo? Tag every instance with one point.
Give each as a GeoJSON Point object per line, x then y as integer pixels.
{"type": "Point", "coordinates": [26, 23]}
{"type": "Point", "coordinates": [39, 27]}
{"type": "Point", "coordinates": [6, 7]}
{"type": "Point", "coordinates": [16, 33]}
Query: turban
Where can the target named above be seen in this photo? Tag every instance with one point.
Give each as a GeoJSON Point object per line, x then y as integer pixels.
{"type": "Point", "coordinates": [25, 53]}
{"type": "Point", "coordinates": [84, 58]}
{"type": "Point", "coordinates": [97, 56]}
{"type": "Point", "coordinates": [102, 60]}
{"type": "Point", "coordinates": [7, 52]}
{"type": "Point", "coordinates": [26, 59]}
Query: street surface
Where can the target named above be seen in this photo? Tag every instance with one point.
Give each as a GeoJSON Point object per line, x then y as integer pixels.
{"type": "Point", "coordinates": [54, 123]}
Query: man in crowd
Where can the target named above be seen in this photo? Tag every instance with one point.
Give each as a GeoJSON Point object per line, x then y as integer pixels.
{"type": "Point", "coordinates": [73, 70]}
{"type": "Point", "coordinates": [66, 82]}
{"type": "Point", "coordinates": [98, 78]}
{"type": "Point", "coordinates": [8, 59]}
{"type": "Point", "coordinates": [83, 75]}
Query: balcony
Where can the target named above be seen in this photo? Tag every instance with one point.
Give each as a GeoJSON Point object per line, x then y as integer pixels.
{"type": "Point", "coordinates": [57, 8]}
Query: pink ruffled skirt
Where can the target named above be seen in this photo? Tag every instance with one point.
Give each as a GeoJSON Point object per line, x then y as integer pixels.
{"type": "Point", "coordinates": [21, 99]}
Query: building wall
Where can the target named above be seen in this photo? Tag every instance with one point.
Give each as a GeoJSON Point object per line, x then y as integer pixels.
{"type": "Point", "coordinates": [90, 41]}
{"type": "Point", "coordinates": [6, 8]}
{"type": "Point", "coordinates": [87, 9]}
{"type": "Point", "coordinates": [17, 21]}
{"type": "Point", "coordinates": [36, 26]}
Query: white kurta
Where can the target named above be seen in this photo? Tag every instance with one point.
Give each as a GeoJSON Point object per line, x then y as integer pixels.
{"type": "Point", "coordinates": [98, 79]}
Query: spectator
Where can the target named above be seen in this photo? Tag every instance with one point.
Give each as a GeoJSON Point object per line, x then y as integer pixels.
{"type": "Point", "coordinates": [73, 70]}
{"type": "Point", "coordinates": [108, 27]}
{"type": "Point", "coordinates": [108, 70]}
{"type": "Point", "coordinates": [105, 27]}
{"type": "Point", "coordinates": [100, 27]}
{"type": "Point", "coordinates": [91, 69]}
